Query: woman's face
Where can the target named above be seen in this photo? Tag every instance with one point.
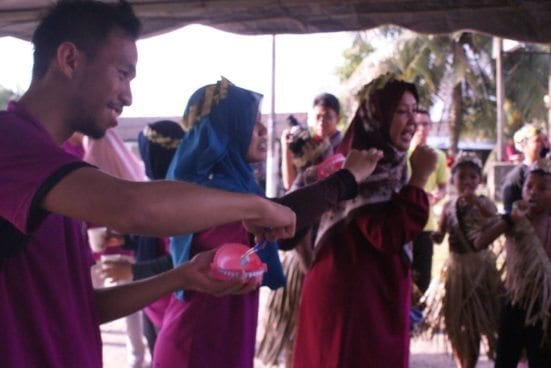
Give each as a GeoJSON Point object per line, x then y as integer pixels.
{"type": "Point", "coordinates": [402, 126]}
{"type": "Point", "coordinates": [258, 147]}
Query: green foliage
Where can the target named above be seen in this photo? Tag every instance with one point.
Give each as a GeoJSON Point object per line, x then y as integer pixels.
{"type": "Point", "coordinates": [360, 49]}
{"type": "Point", "coordinates": [479, 120]}
{"type": "Point", "coordinates": [461, 63]}
{"type": "Point", "coordinates": [526, 82]}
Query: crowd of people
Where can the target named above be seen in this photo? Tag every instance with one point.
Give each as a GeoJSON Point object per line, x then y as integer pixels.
{"type": "Point", "coordinates": [355, 241]}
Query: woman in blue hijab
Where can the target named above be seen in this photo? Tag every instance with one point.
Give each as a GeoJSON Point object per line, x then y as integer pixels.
{"type": "Point", "coordinates": [224, 137]}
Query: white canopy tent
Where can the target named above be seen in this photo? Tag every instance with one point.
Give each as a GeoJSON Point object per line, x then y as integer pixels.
{"type": "Point", "coordinates": [522, 20]}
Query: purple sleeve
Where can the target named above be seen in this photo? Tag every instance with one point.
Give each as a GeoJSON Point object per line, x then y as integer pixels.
{"type": "Point", "coordinates": [30, 165]}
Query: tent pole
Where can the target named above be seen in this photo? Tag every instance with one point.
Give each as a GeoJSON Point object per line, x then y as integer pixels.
{"type": "Point", "coordinates": [271, 160]}
{"type": "Point", "coordinates": [498, 47]}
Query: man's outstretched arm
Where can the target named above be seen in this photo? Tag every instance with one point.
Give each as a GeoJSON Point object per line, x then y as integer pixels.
{"type": "Point", "coordinates": [161, 208]}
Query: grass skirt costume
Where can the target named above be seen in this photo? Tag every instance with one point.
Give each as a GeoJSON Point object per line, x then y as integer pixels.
{"type": "Point", "coordinates": [528, 275]}
{"type": "Point", "coordinates": [465, 301]}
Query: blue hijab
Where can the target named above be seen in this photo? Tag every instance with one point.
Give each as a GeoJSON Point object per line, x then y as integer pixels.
{"type": "Point", "coordinates": [220, 118]}
{"type": "Point", "coordinates": [157, 143]}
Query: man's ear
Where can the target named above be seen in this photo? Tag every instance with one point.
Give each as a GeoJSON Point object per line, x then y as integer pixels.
{"type": "Point", "coordinates": [68, 56]}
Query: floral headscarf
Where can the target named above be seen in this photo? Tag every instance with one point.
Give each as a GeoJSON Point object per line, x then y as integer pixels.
{"type": "Point", "coordinates": [369, 128]}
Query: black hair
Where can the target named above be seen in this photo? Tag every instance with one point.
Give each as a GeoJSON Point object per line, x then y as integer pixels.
{"type": "Point", "coordinates": [329, 101]}
{"type": "Point", "coordinates": [85, 23]}
{"type": "Point", "coordinates": [470, 164]}
{"type": "Point", "coordinates": [539, 171]}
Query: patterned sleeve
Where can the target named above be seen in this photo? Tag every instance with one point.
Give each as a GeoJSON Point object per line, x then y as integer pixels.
{"type": "Point", "coordinates": [311, 201]}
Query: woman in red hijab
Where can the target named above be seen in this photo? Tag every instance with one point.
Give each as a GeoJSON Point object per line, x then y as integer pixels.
{"type": "Point", "coordinates": [354, 310]}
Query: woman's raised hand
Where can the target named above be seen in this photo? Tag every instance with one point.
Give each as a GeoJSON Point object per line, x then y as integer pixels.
{"type": "Point", "coordinates": [362, 163]}
{"type": "Point", "coordinates": [423, 162]}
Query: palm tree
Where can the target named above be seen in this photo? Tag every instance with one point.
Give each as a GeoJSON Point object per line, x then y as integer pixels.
{"type": "Point", "coordinates": [526, 73]}
{"type": "Point", "coordinates": [454, 71]}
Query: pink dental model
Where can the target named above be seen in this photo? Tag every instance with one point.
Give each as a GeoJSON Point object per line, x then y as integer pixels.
{"type": "Point", "coordinates": [232, 260]}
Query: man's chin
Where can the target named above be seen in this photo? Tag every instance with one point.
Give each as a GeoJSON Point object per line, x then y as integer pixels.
{"type": "Point", "coordinates": [94, 134]}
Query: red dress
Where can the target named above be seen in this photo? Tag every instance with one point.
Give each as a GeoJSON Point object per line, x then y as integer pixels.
{"type": "Point", "coordinates": [354, 309]}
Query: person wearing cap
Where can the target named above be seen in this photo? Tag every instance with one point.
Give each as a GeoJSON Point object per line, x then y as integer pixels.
{"type": "Point", "coordinates": [530, 142]}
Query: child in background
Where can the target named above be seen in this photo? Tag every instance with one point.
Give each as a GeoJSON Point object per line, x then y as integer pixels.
{"type": "Point", "coordinates": [527, 314]}
{"type": "Point", "coordinates": [465, 303]}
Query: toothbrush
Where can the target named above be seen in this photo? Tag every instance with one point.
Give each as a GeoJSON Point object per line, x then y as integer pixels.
{"type": "Point", "coordinates": [244, 260]}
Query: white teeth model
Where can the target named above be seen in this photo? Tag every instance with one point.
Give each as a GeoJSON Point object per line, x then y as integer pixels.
{"type": "Point", "coordinates": [235, 274]}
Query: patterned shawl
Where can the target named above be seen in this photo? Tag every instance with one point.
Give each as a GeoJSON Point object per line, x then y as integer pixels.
{"type": "Point", "coordinates": [370, 128]}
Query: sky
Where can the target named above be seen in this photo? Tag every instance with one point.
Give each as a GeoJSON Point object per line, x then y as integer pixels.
{"type": "Point", "coordinates": [173, 65]}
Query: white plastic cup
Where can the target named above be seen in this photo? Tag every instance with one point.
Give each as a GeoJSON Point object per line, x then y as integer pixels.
{"type": "Point", "coordinates": [110, 257]}
{"type": "Point", "coordinates": [96, 238]}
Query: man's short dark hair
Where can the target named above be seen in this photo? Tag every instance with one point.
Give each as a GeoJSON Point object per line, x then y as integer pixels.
{"type": "Point", "coordinates": [328, 100]}
{"type": "Point", "coordinates": [85, 23]}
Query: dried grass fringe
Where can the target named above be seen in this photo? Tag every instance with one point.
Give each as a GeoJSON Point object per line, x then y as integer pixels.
{"type": "Point", "coordinates": [281, 313]}
{"type": "Point", "coordinates": [528, 275]}
{"type": "Point", "coordinates": [464, 303]}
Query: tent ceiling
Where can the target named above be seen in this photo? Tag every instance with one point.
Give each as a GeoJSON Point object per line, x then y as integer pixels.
{"type": "Point", "coordinates": [521, 20]}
